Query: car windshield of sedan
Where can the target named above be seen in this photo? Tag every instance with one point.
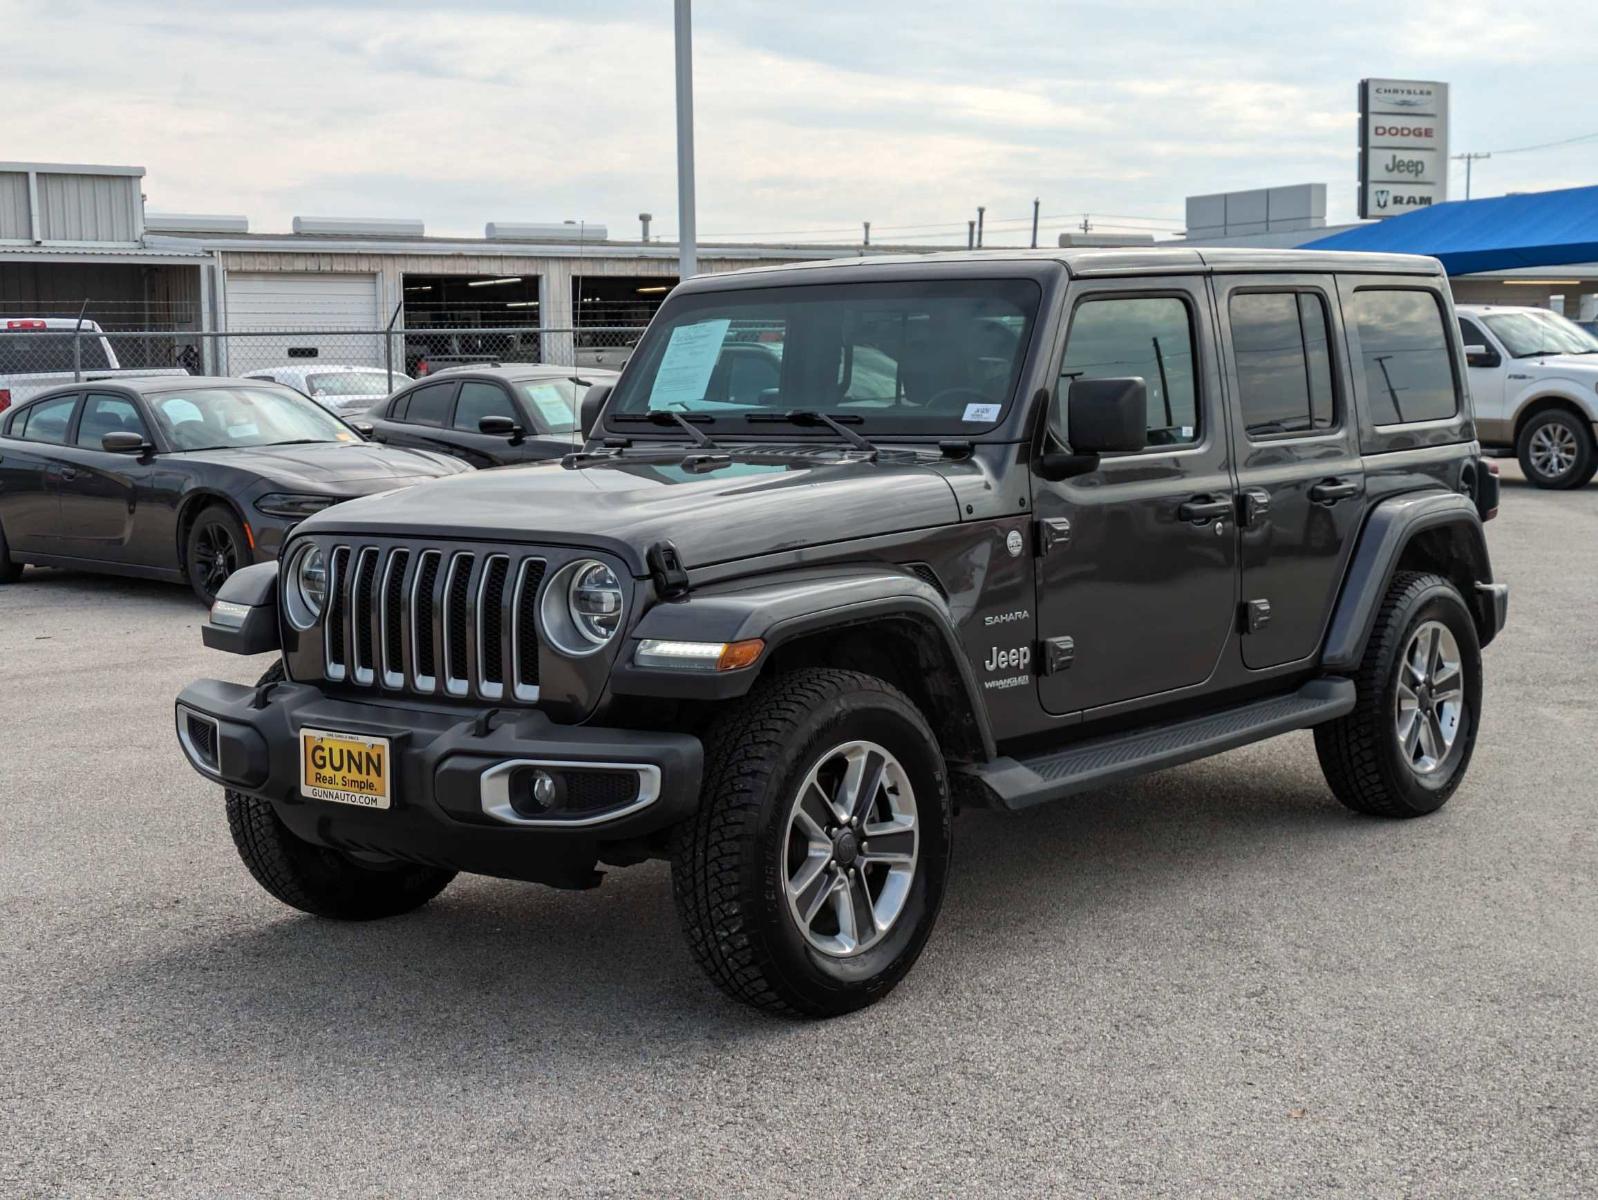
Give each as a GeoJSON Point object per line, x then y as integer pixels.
{"type": "Point", "coordinates": [351, 383]}
{"type": "Point", "coordinates": [227, 417]}
{"type": "Point", "coordinates": [927, 357]}
{"type": "Point", "coordinates": [1528, 334]}
{"type": "Point", "coordinates": [554, 401]}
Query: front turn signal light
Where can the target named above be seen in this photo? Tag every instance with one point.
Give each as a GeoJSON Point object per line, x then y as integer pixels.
{"type": "Point", "coordinates": [697, 656]}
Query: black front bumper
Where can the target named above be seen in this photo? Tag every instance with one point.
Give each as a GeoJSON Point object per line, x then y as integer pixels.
{"type": "Point", "coordinates": [248, 739]}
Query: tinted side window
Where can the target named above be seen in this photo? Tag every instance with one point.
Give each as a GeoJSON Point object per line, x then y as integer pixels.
{"type": "Point", "coordinates": [1284, 367]}
{"type": "Point", "coordinates": [479, 400]}
{"type": "Point", "coordinates": [1150, 338]}
{"type": "Point", "coordinates": [1404, 346]}
{"type": "Point", "coordinates": [47, 421]}
{"type": "Point", "coordinates": [1470, 333]}
{"type": "Point", "coordinates": [108, 414]}
{"type": "Point", "coordinates": [429, 405]}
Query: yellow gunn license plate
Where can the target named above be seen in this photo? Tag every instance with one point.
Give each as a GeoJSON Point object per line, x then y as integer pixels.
{"type": "Point", "coordinates": [346, 768]}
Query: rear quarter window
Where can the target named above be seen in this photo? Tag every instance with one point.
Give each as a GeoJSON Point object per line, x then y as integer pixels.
{"type": "Point", "coordinates": [1409, 376]}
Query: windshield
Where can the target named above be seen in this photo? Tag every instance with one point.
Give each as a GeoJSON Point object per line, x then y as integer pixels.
{"type": "Point", "coordinates": [352, 383]}
{"type": "Point", "coordinates": [1525, 334]}
{"type": "Point", "coordinates": [215, 418]}
{"type": "Point", "coordinates": [554, 402]}
{"type": "Point", "coordinates": [912, 357]}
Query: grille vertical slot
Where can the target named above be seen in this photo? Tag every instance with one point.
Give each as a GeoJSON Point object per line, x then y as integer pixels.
{"type": "Point", "coordinates": [392, 619]}
{"type": "Point", "coordinates": [524, 628]}
{"type": "Point", "coordinates": [337, 609]}
{"type": "Point", "coordinates": [458, 625]}
{"type": "Point", "coordinates": [491, 627]}
{"type": "Point", "coordinates": [360, 615]}
{"type": "Point", "coordinates": [423, 650]}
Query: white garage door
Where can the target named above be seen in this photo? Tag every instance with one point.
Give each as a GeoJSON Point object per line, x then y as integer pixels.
{"type": "Point", "coordinates": [314, 313]}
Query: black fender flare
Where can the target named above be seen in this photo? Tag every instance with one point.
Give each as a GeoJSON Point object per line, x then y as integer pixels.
{"type": "Point", "coordinates": [781, 608]}
{"type": "Point", "coordinates": [1392, 525]}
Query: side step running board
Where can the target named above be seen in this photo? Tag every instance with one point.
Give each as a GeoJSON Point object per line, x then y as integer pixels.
{"type": "Point", "coordinates": [1021, 782]}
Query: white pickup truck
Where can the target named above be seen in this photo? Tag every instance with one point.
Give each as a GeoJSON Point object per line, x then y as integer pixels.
{"type": "Point", "coordinates": [1534, 384]}
{"type": "Point", "coordinates": [37, 353]}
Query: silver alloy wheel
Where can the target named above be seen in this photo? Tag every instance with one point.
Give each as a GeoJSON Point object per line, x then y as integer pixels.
{"type": "Point", "coordinates": [849, 856]}
{"type": "Point", "coordinates": [1553, 449]}
{"type": "Point", "coordinates": [1429, 702]}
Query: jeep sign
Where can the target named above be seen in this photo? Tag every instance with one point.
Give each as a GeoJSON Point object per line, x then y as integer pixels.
{"type": "Point", "coordinates": [1403, 146]}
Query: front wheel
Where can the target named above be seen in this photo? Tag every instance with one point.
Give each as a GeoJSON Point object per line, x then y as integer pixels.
{"type": "Point", "coordinates": [810, 878]}
{"type": "Point", "coordinates": [1405, 748]}
{"type": "Point", "coordinates": [216, 547]}
{"type": "Point", "coordinates": [1556, 450]}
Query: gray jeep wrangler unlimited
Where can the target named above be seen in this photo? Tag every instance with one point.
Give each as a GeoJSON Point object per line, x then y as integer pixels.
{"type": "Point", "coordinates": [852, 545]}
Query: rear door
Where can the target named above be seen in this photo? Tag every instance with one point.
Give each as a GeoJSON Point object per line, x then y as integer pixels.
{"type": "Point", "coordinates": [1296, 442]}
{"type": "Point", "coordinates": [31, 473]}
{"type": "Point", "coordinates": [420, 418]}
{"type": "Point", "coordinates": [100, 501]}
{"type": "Point", "coordinates": [1137, 579]}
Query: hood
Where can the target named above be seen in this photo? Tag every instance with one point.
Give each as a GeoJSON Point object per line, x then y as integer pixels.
{"type": "Point", "coordinates": [319, 466]}
{"type": "Point", "coordinates": [739, 511]}
{"type": "Point", "coordinates": [1586, 364]}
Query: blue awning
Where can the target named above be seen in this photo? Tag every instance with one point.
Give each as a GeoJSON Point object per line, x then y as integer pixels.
{"type": "Point", "coordinates": [1538, 229]}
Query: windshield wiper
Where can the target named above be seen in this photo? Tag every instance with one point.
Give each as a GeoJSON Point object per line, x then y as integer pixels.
{"type": "Point", "coordinates": [811, 416]}
{"type": "Point", "coordinates": [667, 416]}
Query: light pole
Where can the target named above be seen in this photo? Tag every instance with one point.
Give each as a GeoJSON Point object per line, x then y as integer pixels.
{"type": "Point", "coordinates": [687, 247]}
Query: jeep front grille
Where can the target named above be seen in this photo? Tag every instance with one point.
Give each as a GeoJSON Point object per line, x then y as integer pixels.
{"type": "Point", "coordinates": [431, 622]}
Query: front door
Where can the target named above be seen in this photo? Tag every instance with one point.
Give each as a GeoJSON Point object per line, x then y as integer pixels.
{"type": "Point", "coordinates": [1487, 380]}
{"type": "Point", "coordinates": [1137, 574]}
{"type": "Point", "coordinates": [1299, 475]}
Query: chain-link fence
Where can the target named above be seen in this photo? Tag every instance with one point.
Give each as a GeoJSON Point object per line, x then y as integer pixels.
{"type": "Point", "coordinates": [36, 354]}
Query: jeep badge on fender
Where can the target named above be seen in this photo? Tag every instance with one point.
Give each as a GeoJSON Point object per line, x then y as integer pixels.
{"type": "Point", "coordinates": [778, 619]}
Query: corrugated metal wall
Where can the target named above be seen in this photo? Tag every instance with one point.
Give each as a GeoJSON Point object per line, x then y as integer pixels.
{"type": "Point", "coordinates": [14, 207]}
{"type": "Point", "coordinates": [90, 208]}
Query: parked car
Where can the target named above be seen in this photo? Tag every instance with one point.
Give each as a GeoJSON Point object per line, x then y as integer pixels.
{"type": "Point", "coordinates": [433, 350]}
{"type": "Point", "coordinates": [37, 353]}
{"type": "Point", "coordinates": [1110, 511]}
{"type": "Point", "coordinates": [489, 416]}
{"type": "Point", "coordinates": [1534, 381]}
{"type": "Point", "coordinates": [179, 479]}
{"type": "Point", "coordinates": [348, 391]}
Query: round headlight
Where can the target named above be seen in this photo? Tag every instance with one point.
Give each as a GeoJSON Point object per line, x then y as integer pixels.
{"type": "Point", "coordinates": [594, 600]}
{"type": "Point", "coordinates": [307, 589]}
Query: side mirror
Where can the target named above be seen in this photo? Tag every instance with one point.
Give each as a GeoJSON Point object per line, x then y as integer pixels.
{"type": "Point", "coordinates": [1481, 356]}
{"type": "Point", "coordinates": [125, 441]}
{"type": "Point", "coordinates": [592, 406]}
{"type": "Point", "coordinates": [501, 427]}
{"type": "Point", "coordinates": [365, 428]}
{"type": "Point", "coordinates": [1103, 416]}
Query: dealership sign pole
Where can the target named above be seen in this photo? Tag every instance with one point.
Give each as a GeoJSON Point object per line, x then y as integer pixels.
{"type": "Point", "coordinates": [1403, 146]}
{"type": "Point", "coordinates": [687, 237]}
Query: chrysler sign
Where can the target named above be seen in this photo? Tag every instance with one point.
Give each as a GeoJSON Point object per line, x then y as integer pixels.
{"type": "Point", "coordinates": [1403, 146]}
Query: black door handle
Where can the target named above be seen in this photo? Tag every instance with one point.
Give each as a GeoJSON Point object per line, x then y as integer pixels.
{"type": "Point", "coordinates": [68, 473]}
{"type": "Point", "coordinates": [1201, 509]}
{"type": "Point", "coordinates": [1333, 490]}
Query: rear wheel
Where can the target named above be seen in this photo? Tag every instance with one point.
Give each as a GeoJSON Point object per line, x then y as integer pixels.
{"type": "Point", "coordinates": [10, 571]}
{"type": "Point", "coordinates": [320, 881]}
{"type": "Point", "coordinates": [1556, 450]}
{"type": "Point", "coordinates": [811, 876]}
{"type": "Point", "coordinates": [1405, 748]}
{"type": "Point", "coordinates": [216, 547]}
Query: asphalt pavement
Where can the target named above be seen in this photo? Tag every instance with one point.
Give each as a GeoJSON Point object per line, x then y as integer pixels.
{"type": "Point", "coordinates": [1213, 982]}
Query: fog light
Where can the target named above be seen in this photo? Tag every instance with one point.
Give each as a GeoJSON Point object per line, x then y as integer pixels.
{"type": "Point", "coordinates": [543, 789]}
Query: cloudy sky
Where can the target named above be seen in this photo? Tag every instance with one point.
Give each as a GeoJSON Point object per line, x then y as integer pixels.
{"type": "Point", "coordinates": [811, 116]}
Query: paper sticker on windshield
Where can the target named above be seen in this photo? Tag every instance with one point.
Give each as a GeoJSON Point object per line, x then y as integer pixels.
{"type": "Point", "coordinates": [686, 366]}
{"type": "Point", "coordinates": [981, 412]}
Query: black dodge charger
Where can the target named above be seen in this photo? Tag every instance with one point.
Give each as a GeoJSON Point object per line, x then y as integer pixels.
{"type": "Point", "coordinates": [179, 478]}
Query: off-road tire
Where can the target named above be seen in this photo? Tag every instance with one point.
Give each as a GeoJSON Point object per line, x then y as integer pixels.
{"type": "Point", "coordinates": [1583, 466]}
{"type": "Point", "coordinates": [10, 571]}
{"type": "Point", "coordinates": [222, 518]}
{"type": "Point", "coordinates": [319, 881]}
{"type": "Point", "coordinates": [727, 877]}
{"type": "Point", "coordinates": [1360, 753]}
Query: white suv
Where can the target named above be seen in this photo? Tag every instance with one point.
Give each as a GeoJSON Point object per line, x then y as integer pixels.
{"type": "Point", "coordinates": [1534, 381]}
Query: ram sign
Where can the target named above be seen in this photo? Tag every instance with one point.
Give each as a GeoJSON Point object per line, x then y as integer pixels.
{"type": "Point", "coordinates": [1403, 146]}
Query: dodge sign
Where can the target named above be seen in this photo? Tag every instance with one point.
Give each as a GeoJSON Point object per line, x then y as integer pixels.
{"type": "Point", "coordinates": [1403, 146]}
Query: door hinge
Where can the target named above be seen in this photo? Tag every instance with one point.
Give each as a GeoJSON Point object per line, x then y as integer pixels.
{"type": "Point", "coordinates": [1058, 655]}
{"type": "Point", "coordinates": [1256, 615]}
{"type": "Point", "coordinates": [1053, 532]}
{"type": "Point", "coordinates": [1252, 507]}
